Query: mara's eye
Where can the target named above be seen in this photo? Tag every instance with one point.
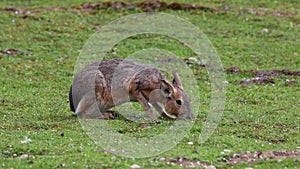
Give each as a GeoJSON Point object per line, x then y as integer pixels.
{"type": "Point", "coordinates": [169, 98]}
{"type": "Point", "coordinates": [178, 102]}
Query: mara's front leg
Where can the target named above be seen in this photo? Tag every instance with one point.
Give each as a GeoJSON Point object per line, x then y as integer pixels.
{"type": "Point", "coordinates": [158, 108]}
{"type": "Point", "coordinates": [144, 102]}
{"type": "Point", "coordinates": [161, 111]}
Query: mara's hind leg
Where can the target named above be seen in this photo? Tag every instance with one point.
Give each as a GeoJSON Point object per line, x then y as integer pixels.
{"type": "Point", "coordinates": [88, 108]}
{"type": "Point", "coordinates": [109, 114]}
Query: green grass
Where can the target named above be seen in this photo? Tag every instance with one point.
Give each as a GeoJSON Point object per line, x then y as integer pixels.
{"type": "Point", "coordinates": [34, 85]}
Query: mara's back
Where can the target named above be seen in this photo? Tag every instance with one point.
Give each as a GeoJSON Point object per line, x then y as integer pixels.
{"type": "Point", "coordinates": [112, 78]}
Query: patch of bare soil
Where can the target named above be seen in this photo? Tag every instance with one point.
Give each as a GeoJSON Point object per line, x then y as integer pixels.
{"type": "Point", "coordinates": [146, 6]}
{"type": "Point", "coordinates": [276, 72]}
{"type": "Point", "coordinates": [265, 11]}
{"type": "Point", "coordinates": [184, 162]}
{"type": "Point", "coordinates": [233, 69]}
{"type": "Point", "coordinates": [264, 76]}
{"type": "Point", "coordinates": [248, 158]}
{"type": "Point", "coordinates": [261, 155]}
{"type": "Point", "coordinates": [10, 52]}
{"type": "Point", "coordinates": [257, 80]}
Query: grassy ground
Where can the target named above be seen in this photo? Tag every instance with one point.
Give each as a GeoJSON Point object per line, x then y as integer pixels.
{"type": "Point", "coordinates": [34, 84]}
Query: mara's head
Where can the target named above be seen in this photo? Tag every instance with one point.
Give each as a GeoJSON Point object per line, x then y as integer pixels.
{"type": "Point", "coordinates": [176, 102]}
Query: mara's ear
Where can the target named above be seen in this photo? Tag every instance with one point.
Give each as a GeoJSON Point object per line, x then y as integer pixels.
{"type": "Point", "coordinates": [177, 80]}
{"type": "Point", "coordinates": [167, 88]}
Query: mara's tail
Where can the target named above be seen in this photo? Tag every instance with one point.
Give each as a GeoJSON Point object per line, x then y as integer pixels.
{"type": "Point", "coordinates": [71, 100]}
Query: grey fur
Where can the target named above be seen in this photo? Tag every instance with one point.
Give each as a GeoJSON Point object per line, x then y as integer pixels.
{"type": "Point", "coordinates": [111, 82]}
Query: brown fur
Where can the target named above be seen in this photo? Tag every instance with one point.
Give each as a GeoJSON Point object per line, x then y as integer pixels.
{"type": "Point", "coordinates": [117, 81]}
